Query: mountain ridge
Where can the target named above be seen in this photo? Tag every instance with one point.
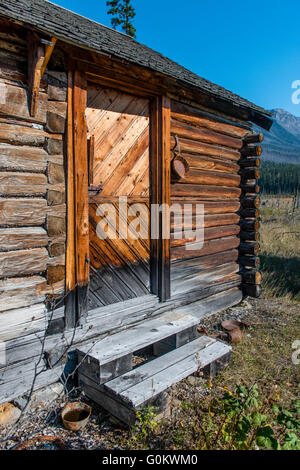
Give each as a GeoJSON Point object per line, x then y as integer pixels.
{"type": "Point", "coordinates": [282, 143]}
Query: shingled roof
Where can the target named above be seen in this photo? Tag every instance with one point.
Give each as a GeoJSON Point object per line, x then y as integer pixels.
{"type": "Point", "coordinates": [78, 30]}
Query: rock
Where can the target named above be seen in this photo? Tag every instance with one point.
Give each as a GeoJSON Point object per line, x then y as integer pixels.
{"type": "Point", "coordinates": [41, 398]}
{"type": "Point", "coordinates": [192, 380]}
{"type": "Point", "coordinates": [9, 414]}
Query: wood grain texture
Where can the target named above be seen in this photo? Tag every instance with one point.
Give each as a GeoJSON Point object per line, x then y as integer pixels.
{"type": "Point", "coordinates": [118, 125]}
{"type": "Point", "coordinates": [23, 158]}
{"type": "Point", "coordinates": [22, 262]}
{"type": "Point", "coordinates": [22, 238]}
{"type": "Point", "coordinates": [22, 212]}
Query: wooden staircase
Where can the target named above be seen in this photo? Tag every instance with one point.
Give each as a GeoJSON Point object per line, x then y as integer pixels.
{"type": "Point", "coordinates": [106, 368]}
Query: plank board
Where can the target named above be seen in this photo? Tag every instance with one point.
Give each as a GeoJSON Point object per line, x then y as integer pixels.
{"type": "Point", "coordinates": [168, 375]}
{"type": "Point", "coordinates": [138, 337]}
{"type": "Point", "coordinates": [118, 123]}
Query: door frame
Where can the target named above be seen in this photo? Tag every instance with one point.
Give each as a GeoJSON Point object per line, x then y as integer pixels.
{"type": "Point", "coordinates": [77, 250]}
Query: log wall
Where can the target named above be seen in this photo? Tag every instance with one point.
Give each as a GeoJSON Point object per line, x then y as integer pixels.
{"type": "Point", "coordinates": [210, 147]}
{"type": "Point", "coordinates": [32, 191]}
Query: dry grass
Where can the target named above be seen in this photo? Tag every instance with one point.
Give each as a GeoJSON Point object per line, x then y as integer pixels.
{"type": "Point", "coordinates": [280, 252]}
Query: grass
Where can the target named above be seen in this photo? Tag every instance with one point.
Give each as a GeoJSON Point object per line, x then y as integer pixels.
{"type": "Point", "coordinates": [202, 417]}
{"type": "Point", "coordinates": [280, 252]}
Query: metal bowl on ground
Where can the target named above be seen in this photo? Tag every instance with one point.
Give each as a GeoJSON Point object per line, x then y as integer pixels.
{"type": "Point", "coordinates": [75, 415]}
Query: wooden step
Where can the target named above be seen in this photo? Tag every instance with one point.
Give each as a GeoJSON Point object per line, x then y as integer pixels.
{"type": "Point", "coordinates": [112, 356]}
{"type": "Point", "coordinates": [134, 390]}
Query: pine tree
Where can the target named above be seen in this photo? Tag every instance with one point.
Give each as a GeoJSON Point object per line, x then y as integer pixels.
{"type": "Point", "coordinates": [122, 13]}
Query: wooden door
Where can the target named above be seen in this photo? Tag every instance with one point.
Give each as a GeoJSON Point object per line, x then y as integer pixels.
{"type": "Point", "coordinates": [118, 137]}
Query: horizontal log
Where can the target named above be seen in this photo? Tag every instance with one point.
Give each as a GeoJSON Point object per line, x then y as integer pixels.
{"type": "Point", "coordinates": [210, 233]}
{"type": "Point", "coordinates": [249, 248]}
{"type": "Point", "coordinates": [190, 190]}
{"type": "Point", "coordinates": [210, 207]}
{"type": "Point", "coordinates": [203, 162]}
{"type": "Point", "coordinates": [245, 235]}
{"type": "Point", "coordinates": [249, 212]}
{"type": "Point", "coordinates": [253, 138]}
{"type": "Point", "coordinates": [214, 178]}
{"type": "Point", "coordinates": [23, 262]}
{"type": "Point", "coordinates": [188, 131]}
{"type": "Point", "coordinates": [250, 173]}
{"type": "Point", "coordinates": [250, 162]}
{"type": "Point", "coordinates": [184, 113]}
{"type": "Point", "coordinates": [23, 158]}
{"type": "Point", "coordinates": [189, 281]}
{"type": "Point", "coordinates": [21, 184]}
{"type": "Point", "coordinates": [249, 224]}
{"type": "Point", "coordinates": [194, 146]}
{"type": "Point", "coordinates": [22, 238]}
{"type": "Point", "coordinates": [202, 262]}
{"type": "Point", "coordinates": [252, 290]}
{"type": "Point", "coordinates": [251, 277]}
{"type": "Point", "coordinates": [22, 322]}
{"type": "Point", "coordinates": [192, 250]}
{"type": "Point", "coordinates": [249, 261]}
{"type": "Point", "coordinates": [13, 133]}
{"type": "Point", "coordinates": [252, 188]}
{"type": "Point", "coordinates": [21, 292]}
{"type": "Point", "coordinates": [250, 202]}
{"type": "Point", "coordinates": [254, 151]}
{"type": "Point", "coordinates": [22, 211]}
{"type": "Point", "coordinates": [14, 104]}
{"type": "Point", "coordinates": [209, 221]}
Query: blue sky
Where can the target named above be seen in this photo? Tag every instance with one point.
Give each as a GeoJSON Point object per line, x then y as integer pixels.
{"type": "Point", "coordinates": [250, 47]}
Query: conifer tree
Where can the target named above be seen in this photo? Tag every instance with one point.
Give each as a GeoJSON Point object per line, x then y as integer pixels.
{"type": "Point", "coordinates": [122, 13]}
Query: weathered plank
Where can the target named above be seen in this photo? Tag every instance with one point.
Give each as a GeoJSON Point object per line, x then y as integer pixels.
{"type": "Point", "coordinates": [148, 370]}
{"type": "Point", "coordinates": [81, 190]}
{"type": "Point", "coordinates": [23, 237]}
{"type": "Point", "coordinates": [190, 190]}
{"type": "Point", "coordinates": [14, 133]}
{"type": "Point", "coordinates": [22, 321]}
{"type": "Point", "coordinates": [122, 344]}
{"type": "Point", "coordinates": [183, 362]}
{"type": "Point", "coordinates": [194, 146]}
{"type": "Point", "coordinates": [189, 281]}
{"type": "Point", "coordinates": [216, 178]}
{"type": "Point", "coordinates": [14, 103]}
{"type": "Point", "coordinates": [209, 221]}
{"type": "Point", "coordinates": [192, 132]}
{"type": "Point", "coordinates": [23, 158]}
{"type": "Point", "coordinates": [21, 292]}
{"type": "Point", "coordinates": [202, 162]}
{"type": "Point", "coordinates": [22, 211]}
{"type": "Point", "coordinates": [194, 265]}
{"type": "Point", "coordinates": [209, 247]}
{"type": "Point", "coordinates": [210, 207]}
{"type": "Point", "coordinates": [196, 117]}
{"type": "Point", "coordinates": [22, 184]}
{"type": "Point", "coordinates": [22, 262]}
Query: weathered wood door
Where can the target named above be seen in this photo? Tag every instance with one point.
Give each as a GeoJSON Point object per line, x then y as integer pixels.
{"type": "Point", "coordinates": [118, 137]}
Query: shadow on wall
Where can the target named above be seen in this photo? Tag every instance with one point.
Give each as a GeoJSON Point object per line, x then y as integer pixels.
{"type": "Point", "coordinates": [281, 276]}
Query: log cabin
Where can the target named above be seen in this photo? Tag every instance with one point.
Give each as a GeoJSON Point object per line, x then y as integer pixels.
{"type": "Point", "coordinates": [91, 119]}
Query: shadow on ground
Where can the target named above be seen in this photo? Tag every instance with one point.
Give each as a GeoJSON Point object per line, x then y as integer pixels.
{"type": "Point", "coordinates": [281, 275]}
